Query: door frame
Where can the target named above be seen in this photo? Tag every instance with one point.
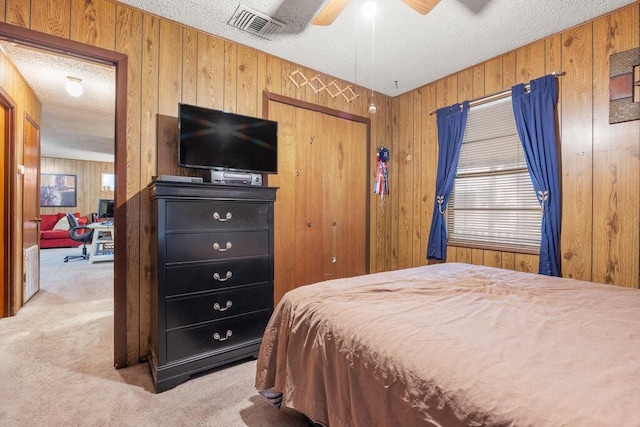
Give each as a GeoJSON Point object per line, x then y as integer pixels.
{"type": "Point", "coordinates": [8, 215]}
{"type": "Point", "coordinates": [119, 61]}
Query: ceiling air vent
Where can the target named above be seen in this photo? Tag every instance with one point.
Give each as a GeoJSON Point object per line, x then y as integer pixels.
{"type": "Point", "coordinates": [255, 22]}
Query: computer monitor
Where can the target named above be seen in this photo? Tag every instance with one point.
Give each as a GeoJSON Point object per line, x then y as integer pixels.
{"type": "Point", "coordinates": [105, 208]}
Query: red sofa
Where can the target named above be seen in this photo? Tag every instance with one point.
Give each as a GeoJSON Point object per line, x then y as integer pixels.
{"type": "Point", "coordinates": [50, 238]}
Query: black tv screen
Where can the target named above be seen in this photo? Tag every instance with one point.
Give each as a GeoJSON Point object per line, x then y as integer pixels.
{"type": "Point", "coordinates": [213, 139]}
{"type": "Point", "coordinates": [105, 208]}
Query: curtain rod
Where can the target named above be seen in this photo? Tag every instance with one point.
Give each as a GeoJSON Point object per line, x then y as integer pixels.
{"type": "Point", "coordinates": [498, 95]}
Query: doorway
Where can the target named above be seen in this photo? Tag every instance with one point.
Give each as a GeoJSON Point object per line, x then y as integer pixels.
{"type": "Point", "coordinates": [119, 62]}
{"type": "Point", "coordinates": [7, 130]}
{"type": "Point", "coordinates": [30, 208]}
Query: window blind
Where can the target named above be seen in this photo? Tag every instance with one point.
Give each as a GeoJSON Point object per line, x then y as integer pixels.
{"type": "Point", "coordinates": [493, 204]}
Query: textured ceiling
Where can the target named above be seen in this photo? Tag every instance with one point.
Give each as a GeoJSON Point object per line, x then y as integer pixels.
{"type": "Point", "coordinates": [396, 52]}
{"type": "Point", "coordinates": [409, 48]}
{"type": "Point", "coordinates": [75, 128]}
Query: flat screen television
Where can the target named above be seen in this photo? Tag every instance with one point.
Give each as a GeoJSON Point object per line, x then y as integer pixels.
{"type": "Point", "coordinates": [217, 140]}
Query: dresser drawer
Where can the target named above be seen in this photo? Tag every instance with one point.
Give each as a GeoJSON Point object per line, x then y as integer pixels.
{"type": "Point", "coordinates": [220, 245]}
{"type": "Point", "coordinates": [216, 215]}
{"type": "Point", "coordinates": [185, 279]}
{"type": "Point", "coordinates": [184, 311]}
{"type": "Point", "coordinates": [216, 336]}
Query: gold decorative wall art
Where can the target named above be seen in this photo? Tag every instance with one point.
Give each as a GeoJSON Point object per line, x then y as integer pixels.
{"type": "Point", "coordinates": [315, 83]}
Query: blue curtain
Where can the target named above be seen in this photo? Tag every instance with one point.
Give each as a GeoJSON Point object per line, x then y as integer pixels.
{"type": "Point", "coordinates": [536, 123]}
{"type": "Point", "coordinates": [451, 125]}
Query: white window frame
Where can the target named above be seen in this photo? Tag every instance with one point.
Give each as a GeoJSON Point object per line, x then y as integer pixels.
{"type": "Point", "coordinates": [108, 182]}
{"type": "Point", "coordinates": [493, 204]}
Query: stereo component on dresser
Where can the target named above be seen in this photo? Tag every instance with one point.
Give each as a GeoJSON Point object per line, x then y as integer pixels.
{"type": "Point", "coordinates": [228, 177]}
{"type": "Point", "coordinates": [212, 276]}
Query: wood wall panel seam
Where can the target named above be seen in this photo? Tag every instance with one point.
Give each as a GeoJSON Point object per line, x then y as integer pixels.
{"type": "Point", "coordinates": [218, 85]}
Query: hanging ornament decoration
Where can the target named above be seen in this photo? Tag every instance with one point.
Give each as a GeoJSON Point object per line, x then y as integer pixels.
{"type": "Point", "coordinates": [382, 174]}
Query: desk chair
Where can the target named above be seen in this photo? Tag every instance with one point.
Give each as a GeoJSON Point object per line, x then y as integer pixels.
{"type": "Point", "coordinates": [76, 233]}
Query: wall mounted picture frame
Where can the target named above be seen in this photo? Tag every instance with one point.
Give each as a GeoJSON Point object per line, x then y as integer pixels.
{"type": "Point", "coordinates": [57, 190]}
{"type": "Point", "coordinates": [624, 86]}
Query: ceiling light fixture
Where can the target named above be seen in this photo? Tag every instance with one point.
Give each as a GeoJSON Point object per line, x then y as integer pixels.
{"type": "Point", "coordinates": [370, 10]}
{"type": "Point", "coordinates": [74, 86]}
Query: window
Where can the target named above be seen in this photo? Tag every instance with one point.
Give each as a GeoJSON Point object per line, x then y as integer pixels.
{"type": "Point", "coordinates": [108, 182]}
{"type": "Point", "coordinates": [493, 204]}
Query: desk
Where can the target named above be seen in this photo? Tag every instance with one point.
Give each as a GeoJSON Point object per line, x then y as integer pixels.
{"type": "Point", "coordinates": [102, 244]}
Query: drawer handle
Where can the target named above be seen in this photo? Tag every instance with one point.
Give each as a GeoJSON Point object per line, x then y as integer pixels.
{"type": "Point", "coordinates": [217, 247]}
{"type": "Point", "coordinates": [217, 336]}
{"type": "Point", "coordinates": [227, 217]}
{"type": "Point", "coordinates": [217, 277]}
{"type": "Point", "coordinates": [217, 307]}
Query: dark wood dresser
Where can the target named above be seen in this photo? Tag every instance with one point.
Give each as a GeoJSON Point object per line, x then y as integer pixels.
{"type": "Point", "coordinates": [212, 276]}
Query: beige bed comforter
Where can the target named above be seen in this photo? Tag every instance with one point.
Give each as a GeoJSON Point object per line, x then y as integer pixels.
{"type": "Point", "coordinates": [456, 344]}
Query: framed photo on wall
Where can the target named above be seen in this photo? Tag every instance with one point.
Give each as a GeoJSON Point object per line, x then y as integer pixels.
{"type": "Point", "coordinates": [57, 190]}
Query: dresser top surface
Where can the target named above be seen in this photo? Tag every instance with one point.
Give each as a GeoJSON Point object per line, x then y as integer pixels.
{"type": "Point", "coordinates": [162, 189]}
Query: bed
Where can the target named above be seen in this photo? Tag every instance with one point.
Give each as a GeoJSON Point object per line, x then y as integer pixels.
{"type": "Point", "coordinates": [455, 344]}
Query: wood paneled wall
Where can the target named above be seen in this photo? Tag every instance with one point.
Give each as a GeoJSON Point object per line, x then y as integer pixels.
{"type": "Point", "coordinates": [88, 182]}
{"type": "Point", "coordinates": [26, 104]}
{"type": "Point", "coordinates": [600, 164]}
{"type": "Point", "coordinates": [171, 63]}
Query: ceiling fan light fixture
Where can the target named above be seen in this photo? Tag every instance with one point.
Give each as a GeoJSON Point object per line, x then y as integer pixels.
{"type": "Point", "coordinates": [369, 9]}
{"type": "Point", "coordinates": [333, 8]}
{"type": "Point", "coordinates": [74, 86]}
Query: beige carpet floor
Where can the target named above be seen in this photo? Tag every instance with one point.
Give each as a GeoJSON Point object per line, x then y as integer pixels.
{"type": "Point", "coordinates": [56, 365]}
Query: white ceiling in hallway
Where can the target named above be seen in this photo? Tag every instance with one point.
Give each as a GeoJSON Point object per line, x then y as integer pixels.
{"type": "Point", "coordinates": [72, 128]}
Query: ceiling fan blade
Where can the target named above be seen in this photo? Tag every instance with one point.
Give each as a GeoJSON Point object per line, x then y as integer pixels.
{"type": "Point", "coordinates": [329, 12]}
{"type": "Point", "coordinates": [421, 6]}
